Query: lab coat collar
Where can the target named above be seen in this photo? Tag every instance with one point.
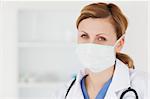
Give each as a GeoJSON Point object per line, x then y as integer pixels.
{"type": "Point", "coordinates": [120, 80]}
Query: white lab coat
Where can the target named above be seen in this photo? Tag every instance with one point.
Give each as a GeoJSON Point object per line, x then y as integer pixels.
{"type": "Point", "coordinates": [122, 79]}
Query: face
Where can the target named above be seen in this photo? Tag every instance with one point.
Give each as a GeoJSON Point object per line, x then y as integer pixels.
{"type": "Point", "coordinates": [98, 31]}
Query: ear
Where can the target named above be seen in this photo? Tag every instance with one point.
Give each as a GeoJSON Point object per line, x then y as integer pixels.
{"type": "Point", "coordinates": [120, 44]}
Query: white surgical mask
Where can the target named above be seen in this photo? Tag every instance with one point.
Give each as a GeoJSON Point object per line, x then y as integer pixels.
{"type": "Point", "coordinates": [97, 57]}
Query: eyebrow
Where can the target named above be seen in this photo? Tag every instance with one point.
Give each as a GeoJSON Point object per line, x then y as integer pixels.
{"type": "Point", "coordinates": [96, 34]}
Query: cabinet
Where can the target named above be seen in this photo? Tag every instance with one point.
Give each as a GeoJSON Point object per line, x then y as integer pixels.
{"type": "Point", "coordinates": [46, 49]}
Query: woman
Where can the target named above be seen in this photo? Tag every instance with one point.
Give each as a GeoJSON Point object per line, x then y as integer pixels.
{"type": "Point", "coordinates": [107, 73]}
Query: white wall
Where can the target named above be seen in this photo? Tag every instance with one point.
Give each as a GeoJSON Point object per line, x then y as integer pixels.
{"type": "Point", "coordinates": [137, 33]}
{"type": "Point", "coordinates": [8, 53]}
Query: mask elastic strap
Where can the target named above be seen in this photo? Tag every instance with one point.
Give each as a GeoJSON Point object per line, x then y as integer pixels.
{"type": "Point", "coordinates": [119, 40]}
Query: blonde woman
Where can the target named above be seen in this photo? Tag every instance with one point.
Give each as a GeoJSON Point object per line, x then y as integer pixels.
{"type": "Point", "coordinates": [107, 73]}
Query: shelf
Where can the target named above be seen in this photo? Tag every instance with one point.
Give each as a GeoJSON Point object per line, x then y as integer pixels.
{"type": "Point", "coordinates": [40, 84]}
{"type": "Point", "coordinates": [45, 44]}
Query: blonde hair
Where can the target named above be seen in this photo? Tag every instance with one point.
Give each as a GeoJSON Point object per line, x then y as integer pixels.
{"type": "Point", "coordinates": [104, 10]}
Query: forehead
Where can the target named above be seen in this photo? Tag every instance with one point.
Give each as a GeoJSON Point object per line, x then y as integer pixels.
{"type": "Point", "coordinates": [95, 26]}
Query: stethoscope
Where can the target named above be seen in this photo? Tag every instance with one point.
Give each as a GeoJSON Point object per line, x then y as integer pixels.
{"type": "Point", "coordinates": [121, 97]}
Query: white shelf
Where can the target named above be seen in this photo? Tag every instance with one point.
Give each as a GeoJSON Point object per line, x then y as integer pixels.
{"type": "Point", "coordinates": [45, 44]}
{"type": "Point", "coordinates": [40, 84]}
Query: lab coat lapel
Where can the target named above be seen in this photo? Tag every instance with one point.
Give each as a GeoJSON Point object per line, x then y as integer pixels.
{"type": "Point", "coordinates": [76, 92]}
{"type": "Point", "coordinates": [120, 80]}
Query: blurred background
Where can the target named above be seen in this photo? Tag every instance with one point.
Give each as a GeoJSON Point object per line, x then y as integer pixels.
{"type": "Point", "coordinates": [38, 39]}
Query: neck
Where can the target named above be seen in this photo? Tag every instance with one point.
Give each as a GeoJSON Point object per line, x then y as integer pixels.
{"type": "Point", "coordinates": [100, 77]}
{"type": "Point", "coordinates": [95, 81]}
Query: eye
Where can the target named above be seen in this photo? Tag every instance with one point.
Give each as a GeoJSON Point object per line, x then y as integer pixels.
{"type": "Point", "coordinates": [101, 39]}
{"type": "Point", "coordinates": [84, 36]}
